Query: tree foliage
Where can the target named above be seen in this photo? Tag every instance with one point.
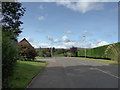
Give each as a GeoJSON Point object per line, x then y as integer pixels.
{"type": "Point", "coordinates": [44, 52]}
{"type": "Point", "coordinates": [73, 51]}
{"type": "Point", "coordinates": [11, 14]}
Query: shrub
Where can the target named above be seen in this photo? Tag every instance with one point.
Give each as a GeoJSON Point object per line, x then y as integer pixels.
{"type": "Point", "coordinates": [9, 57]}
{"type": "Point", "coordinates": [44, 52]}
{"type": "Point", "coordinates": [111, 51]}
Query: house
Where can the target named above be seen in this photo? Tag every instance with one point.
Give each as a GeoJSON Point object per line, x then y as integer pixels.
{"type": "Point", "coordinates": [26, 50]}
{"type": "Point", "coordinates": [25, 42]}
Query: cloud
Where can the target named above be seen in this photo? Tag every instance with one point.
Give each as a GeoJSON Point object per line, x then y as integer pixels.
{"type": "Point", "coordinates": [87, 33]}
{"type": "Point", "coordinates": [43, 45]}
{"type": "Point", "coordinates": [101, 43]}
{"type": "Point", "coordinates": [31, 40]}
{"type": "Point", "coordinates": [68, 31]}
{"type": "Point", "coordinates": [53, 40]}
{"type": "Point", "coordinates": [64, 38]}
{"type": "Point", "coordinates": [41, 18]}
{"type": "Point", "coordinates": [41, 7]}
{"type": "Point", "coordinates": [69, 44]}
{"type": "Point", "coordinates": [81, 7]}
{"type": "Point", "coordinates": [96, 43]}
{"type": "Point", "coordinates": [56, 40]}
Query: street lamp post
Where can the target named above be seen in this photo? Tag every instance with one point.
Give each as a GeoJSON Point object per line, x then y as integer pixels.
{"type": "Point", "coordinates": [85, 47]}
{"type": "Point", "coordinates": [51, 49]}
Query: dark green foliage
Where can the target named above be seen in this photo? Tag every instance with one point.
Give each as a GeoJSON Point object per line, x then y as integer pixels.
{"type": "Point", "coordinates": [99, 52]}
{"type": "Point", "coordinates": [60, 51]}
{"type": "Point", "coordinates": [11, 14]}
{"type": "Point", "coordinates": [9, 57]}
{"type": "Point", "coordinates": [44, 52]}
{"type": "Point", "coordinates": [73, 51]}
{"type": "Point", "coordinates": [94, 52]}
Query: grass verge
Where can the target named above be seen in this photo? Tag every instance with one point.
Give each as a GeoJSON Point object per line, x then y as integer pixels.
{"type": "Point", "coordinates": [39, 57]}
{"type": "Point", "coordinates": [100, 60]}
{"type": "Point", "coordinates": [24, 71]}
{"type": "Point", "coordinates": [58, 55]}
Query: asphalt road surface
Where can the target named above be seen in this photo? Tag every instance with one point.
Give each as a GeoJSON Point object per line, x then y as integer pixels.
{"type": "Point", "coordinates": [65, 72]}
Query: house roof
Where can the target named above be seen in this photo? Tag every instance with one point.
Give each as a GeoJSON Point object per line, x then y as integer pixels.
{"type": "Point", "coordinates": [24, 40]}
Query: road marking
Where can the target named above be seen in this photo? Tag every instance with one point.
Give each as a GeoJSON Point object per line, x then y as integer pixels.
{"type": "Point", "coordinates": [106, 73]}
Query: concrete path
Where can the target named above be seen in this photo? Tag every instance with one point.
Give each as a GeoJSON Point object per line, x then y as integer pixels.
{"type": "Point", "coordinates": [65, 72]}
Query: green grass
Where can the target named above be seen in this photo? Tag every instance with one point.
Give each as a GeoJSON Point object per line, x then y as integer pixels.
{"type": "Point", "coordinates": [24, 71]}
{"type": "Point", "coordinates": [39, 57]}
{"type": "Point", "coordinates": [100, 60]}
{"type": "Point", "coordinates": [58, 55]}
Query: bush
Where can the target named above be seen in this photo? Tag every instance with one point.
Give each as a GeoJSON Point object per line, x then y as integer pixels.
{"type": "Point", "coordinates": [67, 54]}
{"type": "Point", "coordinates": [111, 51]}
{"type": "Point", "coordinates": [44, 52]}
{"type": "Point", "coordinates": [9, 57]}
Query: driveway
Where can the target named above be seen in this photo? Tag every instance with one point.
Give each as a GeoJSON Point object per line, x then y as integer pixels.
{"type": "Point", "coordinates": [66, 72]}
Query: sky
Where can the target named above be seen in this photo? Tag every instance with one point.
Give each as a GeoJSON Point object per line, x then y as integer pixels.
{"type": "Point", "coordinates": [67, 24]}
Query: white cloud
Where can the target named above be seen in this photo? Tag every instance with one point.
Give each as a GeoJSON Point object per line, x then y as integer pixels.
{"type": "Point", "coordinates": [101, 43]}
{"type": "Point", "coordinates": [43, 45]}
{"type": "Point", "coordinates": [41, 18]}
{"type": "Point", "coordinates": [69, 44]}
{"type": "Point", "coordinates": [64, 38]}
{"type": "Point", "coordinates": [68, 31]}
{"type": "Point", "coordinates": [31, 40]}
{"type": "Point", "coordinates": [41, 7]}
{"type": "Point", "coordinates": [81, 7]}
{"type": "Point", "coordinates": [53, 40]}
{"type": "Point", "coordinates": [56, 40]}
{"type": "Point", "coordinates": [96, 43]}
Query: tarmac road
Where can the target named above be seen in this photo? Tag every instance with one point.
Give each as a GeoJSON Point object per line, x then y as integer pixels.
{"type": "Point", "coordinates": [66, 72]}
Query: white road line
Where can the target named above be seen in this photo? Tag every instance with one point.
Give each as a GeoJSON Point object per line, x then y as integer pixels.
{"type": "Point", "coordinates": [107, 73]}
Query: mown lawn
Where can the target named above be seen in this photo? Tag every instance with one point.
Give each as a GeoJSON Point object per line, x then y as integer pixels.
{"type": "Point", "coordinates": [58, 55]}
{"type": "Point", "coordinates": [100, 60]}
{"type": "Point", "coordinates": [39, 57]}
{"type": "Point", "coordinates": [24, 72]}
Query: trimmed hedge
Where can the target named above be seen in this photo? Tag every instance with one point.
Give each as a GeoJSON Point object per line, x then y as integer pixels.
{"type": "Point", "coordinates": [105, 52]}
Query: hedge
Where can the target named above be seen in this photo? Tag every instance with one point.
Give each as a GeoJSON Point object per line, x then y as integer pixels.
{"type": "Point", "coordinates": [111, 51]}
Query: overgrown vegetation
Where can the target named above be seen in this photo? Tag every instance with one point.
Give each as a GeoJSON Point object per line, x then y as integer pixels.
{"type": "Point", "coordinates": [24, 71]}
{"type": "Point", "coordinates": [111, 51]}
{"type": "Point", "coordinates": [11, 14]}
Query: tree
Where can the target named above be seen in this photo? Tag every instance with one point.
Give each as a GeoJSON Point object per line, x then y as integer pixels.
{"type": "Point", "coordinates": [11, 14]}
{"type": "Point", "coordinates": [73, 50]}
{"type": "Point", "coordinates": [44, 52]}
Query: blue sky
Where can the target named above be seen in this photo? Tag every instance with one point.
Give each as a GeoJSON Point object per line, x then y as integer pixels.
{"type": "Point", "coordinates": [63, 24]}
